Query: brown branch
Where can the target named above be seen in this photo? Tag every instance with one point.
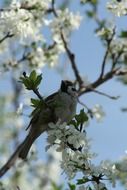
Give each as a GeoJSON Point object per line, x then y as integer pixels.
{"type": "Point", "coordinates": [53, 8]}
{"type": "Point", "coordinates": [115, 59]}
{"type": "Point", "coordinates": [106, 95]}
{"type": "Point", "coordinates": [8, 35]}
{"type": "Point", "coordinates": [102, 77]}
{"type": "Point", "coordinates": [38, 94]}
{"type": "Point", "coordinates": [89, 111]}
{"type": "Point", "coordinates": [71, 57]}
{"type": "Point", "coordinates": [99, 81]}
{"type": "Point", "coordinates": [106, 54]}
{"type": "Point", "coordinates": [24, 57]}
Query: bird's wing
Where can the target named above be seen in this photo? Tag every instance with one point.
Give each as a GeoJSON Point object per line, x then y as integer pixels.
{"type": "Point", "coordinates": [51, 97]}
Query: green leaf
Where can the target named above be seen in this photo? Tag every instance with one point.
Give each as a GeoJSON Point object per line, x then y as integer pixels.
{"type": "Point", "coordinates": [82, 117]}
{"type": "Point", "coordinates": [82, 181]}
{"type": "Point", "coordinates": [123, 34]}
{"type": "Point", "coordinates": [56, 187]}
{"type": "Point", "coordinates": [35, 102]}
{"type": "Point", "coordinates": [32, 81]}
{"type": "Point", "coordinates": [90, 14]}
{"type": "Point", "coordinates": [72, 186]}
{"type": "Point", "coordinates": [38, 80]}
{"type": "Point", "coordinates": [73, 122]}
{"type": "Point", "coordinates": [26, 81]}
{"type": "Point", "coordinates": [33, 76]}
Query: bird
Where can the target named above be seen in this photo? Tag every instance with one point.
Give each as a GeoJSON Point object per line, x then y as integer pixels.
{"type": "Point", "coordinates": [60, 105]}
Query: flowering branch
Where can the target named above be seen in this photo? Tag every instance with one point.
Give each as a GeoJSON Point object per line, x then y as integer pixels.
{"type": "Point", "coordinates": [70, 55]}
{"type": "Point", "coordinates": [72, 60]}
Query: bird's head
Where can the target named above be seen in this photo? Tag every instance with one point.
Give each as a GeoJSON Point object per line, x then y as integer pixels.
{"type": "Point", "coordinates": [68, 87]}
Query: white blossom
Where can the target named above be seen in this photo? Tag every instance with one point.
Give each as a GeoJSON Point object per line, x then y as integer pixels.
{"type": "Point", "coordinates": [122, 164]}
{"type": "Point", "coordinates": [20, 109]}
{"type": "Point", "coordinates": [107, 169]}
{"type": "Point", "coordinates": [18, 22]}
{"type": "Point", "coordinates": [43, 5]}
{"type": "Point", "coordinates": [69, 141]}
{"type": "Point", "coordinates": [98, 112]}
{"type": "Point", "coordinates": [119, 45]}
{"type": "Point", "coordinates": [106, 32]}
{"type": "Point", "coordinates": [117, 8]}
{"type": "Point", "coordinates": [65, 21]}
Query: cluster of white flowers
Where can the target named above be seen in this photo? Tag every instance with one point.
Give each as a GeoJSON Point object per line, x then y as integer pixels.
{"type": "Point", "coordinates": [37, 58]}
{"type": "Point", "coordinates": [118, 45]}
{"type": "Point", "coordinates": [107, 170]}
{"type": "Point", "coordinates": [73, 145]}
{"type": "Point", "coordinates": [76, 156]}
{"type": "Point", "coordinates": [98, 112]}
{"type": "Point", "coordinates": [43, 5]}
{"type": "Point", "coordinates": [106, 32]}
{"type": "Point", "coordinates": [119, 8]}
{"type": "Point", "coordinates": [18, 22]}
{"type": "Point", "coordinates": [66, 135]}
{"type": "Point", "coordinates": [21, 22]}
{"type": "Point", "coordinates": [65, 21]}
{"type": "Point", "coordinates": [26, 20]}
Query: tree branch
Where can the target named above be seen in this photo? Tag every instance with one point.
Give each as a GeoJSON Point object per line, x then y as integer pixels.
{"type": "Point", "coordinates": [99, 81]}
{"type": "Point", "coordinates": [106, 54]}
{"type": "Point", "coordinates": [8, 35]}
{"type": "Point", "coordinates": [70, 55]}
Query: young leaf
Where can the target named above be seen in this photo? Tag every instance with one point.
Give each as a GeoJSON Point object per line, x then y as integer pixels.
{"type": "Point", "coordinates": [72, 186]}
{"type": "Point", "coordinates": [32, 81]}
{"type": "Point", "coordinates": [33, 76]}
{"type": "Point", "coordinates": [73, 122]}
{"type": "Point", "coordinates": [35, 102]}
{"type": "Point", "coordinates": [82, 181]}
{"type": "Point", "coordinates": [123, 34]}
{"type": "Point", "coordinates": [38, 80]}
{"type": "Point", "coordinates": [82, 117]}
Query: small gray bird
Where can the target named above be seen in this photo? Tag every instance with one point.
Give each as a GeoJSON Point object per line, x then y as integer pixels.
{"type": "Point", "coordinates": [60, 105]}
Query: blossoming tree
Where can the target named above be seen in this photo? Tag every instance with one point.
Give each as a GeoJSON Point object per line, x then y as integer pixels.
{"type": "Point", "coordinates": [36, 34]}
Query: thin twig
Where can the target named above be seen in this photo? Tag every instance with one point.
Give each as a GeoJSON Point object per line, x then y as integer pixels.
{"type": "Point", "coordinates": [38, 94]}
{"type": "Point", "coordinates": [53, 8]}
{"type": "Point", "coordinates": [71, 57]}
{"type": "Point", "coordinates": [99, 81]}
{"type": "Point", "coordinates": [106, 95]}
{"type": "Point", "coordinates": [24, 57]}
{"type": "Point", "coordinates": [8, 35]}
{"type": "Point", "coordinates": [89, 111]}
{"type": "Point", "coordinates": [116, 59]}
{"type": "Point", "coordinates": [106, 54]}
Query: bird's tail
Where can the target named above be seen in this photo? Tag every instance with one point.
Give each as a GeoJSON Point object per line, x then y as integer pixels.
{"type": "Point", "coordinates": [26, 145]}
{"type": "Point", "coordinates": [21, 152]}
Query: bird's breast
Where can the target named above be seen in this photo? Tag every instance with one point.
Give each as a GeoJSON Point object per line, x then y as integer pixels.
{"type": "Point", "coordinates": [67, 108]}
